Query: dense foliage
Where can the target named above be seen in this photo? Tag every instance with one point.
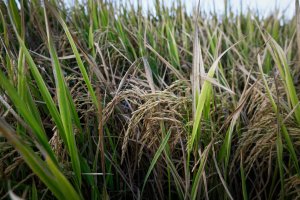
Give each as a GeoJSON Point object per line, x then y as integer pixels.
{"type": "Point", "coordinates": [103, 101]}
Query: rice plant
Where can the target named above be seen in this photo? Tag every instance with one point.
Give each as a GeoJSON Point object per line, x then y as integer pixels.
{"type": "Point", "coordinates": [102, 100]}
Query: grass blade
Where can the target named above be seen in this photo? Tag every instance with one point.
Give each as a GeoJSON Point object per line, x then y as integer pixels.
{"type": "Point", "coordinates": [199, 173]}
{"type": "Point", "coordinates": [64, 106]}
{"type": "Point", "coordinates": [77, 55]}
{"type": "Point", "coordinates": [41, 84]}
{"type": "Point", "coordinates": [155, 158]}
{"type": "Point", "coordinates": [202, 99]}
{"type": "Point", "coordinates": [26, 114]}
{"type": "Point", "coordinates": [51, 176]}
{"type": "Point", "coordinates": [283, 127]}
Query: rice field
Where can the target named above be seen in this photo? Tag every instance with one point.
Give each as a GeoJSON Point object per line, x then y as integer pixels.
{"type": "Point", "coordinates": [100, 100]}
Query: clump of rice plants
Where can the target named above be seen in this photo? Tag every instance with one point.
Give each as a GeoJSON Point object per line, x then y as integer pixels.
{"type": "Point", "coordinates": [100, 100]}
